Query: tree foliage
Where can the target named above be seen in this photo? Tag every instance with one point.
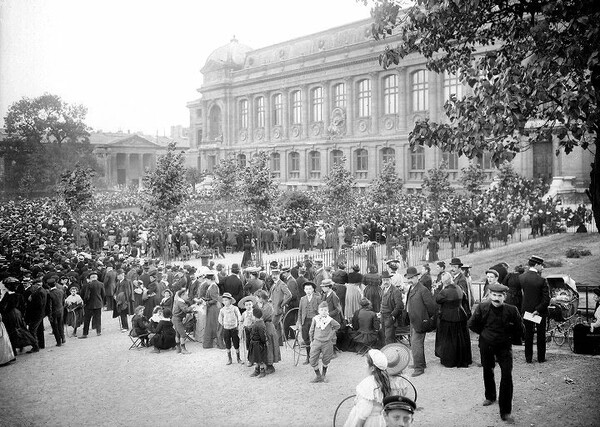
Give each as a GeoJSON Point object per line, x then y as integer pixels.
{"type": "Point", "coordinates": [258, 190]}
{"type": "Point", "coordinates": [437, 184]}
{"type": "Point", "coordinates": [165, 188]}
{"type": "Point", "coordinates": [296, 200]}
{"type": "Point", "coordinates": [533, 67]}
{"type": "Point", "coordinates": [193, 176]}
{"type": "Point", "coordinates": [76, 187]}
{"type": "Point", "coordinates": [48, 134]}
{"type": "Point", "coordinates": [338, 189]}
{"type": "Point", "coordinates": [226, 176]}
{"type": "Point", "coordinates": [472, 178]}
{"type": "Point", "coordinates": [386, 187]}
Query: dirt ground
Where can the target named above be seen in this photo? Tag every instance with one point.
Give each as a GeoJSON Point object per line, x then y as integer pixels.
{"type": "Point", "coordinates": [99, 381]}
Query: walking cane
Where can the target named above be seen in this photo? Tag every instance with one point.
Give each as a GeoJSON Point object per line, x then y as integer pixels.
{"type": "Point", "coordinates": [244, 356]}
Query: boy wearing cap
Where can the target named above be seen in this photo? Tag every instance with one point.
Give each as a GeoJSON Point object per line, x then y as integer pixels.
{"type": "Point", "coordinates": [536, 298]}
{"type": "Point", "coordinates": [398, 411]}
{"type": "Point", "coordinates": [322, 336]}
{"type": "Point", "coordinates": [307, 310]}
{"type": "Point", "coordinates": [498, 325]}
{"type": "Point", "coordinates": [230, 318]}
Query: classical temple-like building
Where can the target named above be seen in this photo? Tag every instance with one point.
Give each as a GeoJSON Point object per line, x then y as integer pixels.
{"type": "Point", "coordinates": [311, 100]}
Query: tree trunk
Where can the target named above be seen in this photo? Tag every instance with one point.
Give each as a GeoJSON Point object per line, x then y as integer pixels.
{"type": "Point", "coordinates": [594, 189]}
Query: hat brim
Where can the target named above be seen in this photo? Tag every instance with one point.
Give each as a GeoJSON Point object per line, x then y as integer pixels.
{"type": "Point", "coordinates": [410, 276]}
{"type": "Point", "coordinates": [242, 302]}
{"type": "Point", "coordinates": [399, 352]}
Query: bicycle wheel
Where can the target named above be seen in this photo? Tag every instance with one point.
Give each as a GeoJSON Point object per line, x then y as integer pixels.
{"type": "Point", "coordinates": [558, 336]}
{"type": "Point", "coordinates": [297, 352]}
{"type": "Point", "coordinates": [289, 335]}
{"type": "Point", "coordinates": [411, 391]}
{"type": "Point", "coordinates": [343, 410]}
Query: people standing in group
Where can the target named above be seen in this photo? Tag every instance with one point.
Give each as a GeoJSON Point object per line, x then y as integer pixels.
{"type": "Point", "coordinates": [230, 319]}
{"type": "Point", "coordinates": [425, 278]}
{"type": "Point", "coordinates": [391, 308]}
{"type": "Point", "coordinates": [93, 299]}
{"type": "Point", "coordinates": [536, 298]}
{"type": "Point", "coordinates": [164, 337]}
{"type": "Point", "coordinates": [35, 310]}
{"type": "Point", "coordinates": [308, 308]}
{"type": "Point", "coordinates": [498, 325]}
{"type": "Point", "coordinates": [12, 306]}
{"type": "Point", "coordinates": [421, 310]}
{"type": "Point", "coordinates": [273, 350]}
{"type": "Point", "coordinates": [452, 341]}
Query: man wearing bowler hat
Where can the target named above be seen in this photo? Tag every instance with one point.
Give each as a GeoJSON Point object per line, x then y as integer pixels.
{"type": "Point", "coordinates": [536, 298]}
{"type": "Point", "coordinates": [498, 325]}
{"type": "Point", "coordinates": [460, 280]}
{"type": "Point", "coordinates": [93, 299]}
{"type": "Point", "coordinates": [420, 308]}
{"type": "Point", "coordinates": [391, 307]}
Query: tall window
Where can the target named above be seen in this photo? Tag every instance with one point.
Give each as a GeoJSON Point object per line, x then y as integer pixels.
{"type": "Point", "coordinates": [316, 96]}
{"type": "Point", "coordinates": [451, 160]}
{"type": "Point", "coordinates": [486, 161]}
{"type": "Point", "coordinates": [294, 165]}
{"type": "Point", "coordinates": [244, 114]}
{"type": "Point", "coordinates": [314, 159]}
{"type": "Point", "coordinates": [277, 110]}
{"type": "Point", "coordinates": [336, 156]}
{"type": "Point", "coordinates": [339, 95]}
{"type": "Point", "coordinates": [260, 112]}
{"type": "Point", "coordinates": [241, 160]}
{"type": "Point", "coordinates": [388, 155]}
{"type": "Point", "coordinates": [420, 91]}
{"type": "Point", "coordinates": [417, 159]}
{"type": "Point", "coordinates": [215, 123]}
{"type": "Point", "coordinates": [199, 137]}
{"type": "Point", "coordinates": [390, 94]}
{"type": "Point", "coordinates": [361, 163]}
{"type": "Point", "coordinates": [452, 86]}
{"type": "Point", "coordinates": [296, 107]}
{"type": "Point", "coordinates": [275, 165]}
{"type": "Point", "coordinates": [364, 98]}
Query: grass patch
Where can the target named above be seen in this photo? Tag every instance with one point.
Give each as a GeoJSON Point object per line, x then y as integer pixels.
{"type": "Point", "coordinates": [553, 263]}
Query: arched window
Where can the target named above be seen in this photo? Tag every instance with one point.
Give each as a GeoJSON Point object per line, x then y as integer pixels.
{"type": "Point", "coordinates": [244, 114]}
{"type": "Point", "coordinates": [314, 162]}
{"type": "Point", "coordinates": [452, 86]}
{"type": "Point", "coordinates": [364, 98]}
{"type": "Point", "coordinates": [277, 110]}
{"type": "Point", "coordinates": [294, 165]}
{"type": "Point", "coordinates": [260, 112]}
{"type": "Point", "coordinates": [390, 94]}
{"type": "Point", "coordinates": [388, 155]}
{"type": "Point", "coordinates": [296, 107]}
{"type": "Point", "coordinates": [339, 95]}
{"type": "Point", "coordinates": [316, 97]}
{"type": "Point", "coordinates": [361, 163]}
{"type": "Point", "coordinates": [241, 160]}
{"type": "Point", "coordinates": [420, 91]}
{"type": "Point", "coordinates": [215, 124]}
{"type": "Point", "coordinates": [417, 159]}
{"type": "Point", "coordinates": [275, 165]}
{"type": "Point", "coordinates": [336, 156]}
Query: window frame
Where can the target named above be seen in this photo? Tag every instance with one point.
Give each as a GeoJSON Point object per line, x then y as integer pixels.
{"type": "Point", "coordinates": [364, 98]}
{"type": "Point", "coordinates": [390, 94]}
{"type": "Point", "coordinates": [296, 107]}
{"type": "Point", "coordinates": [420, 90]}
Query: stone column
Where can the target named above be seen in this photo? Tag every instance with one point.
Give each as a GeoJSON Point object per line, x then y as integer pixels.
{"type": "Point", "coordinates": [305, 112]}
{"type": "Point", "coordinates": [251, 118]}
{"type": "Point", "coordinates": [403, 94]}
{"type": "Point", "coordinates": [326, 106]}
{"type": "Point", "coordinates": [285, 99]}
{"type": "Point", "coordinates": [350, 103]}
{"type": "Point", "coordinates": [375, 103]}
{"type": "Point", "coordinates": [268, 114]}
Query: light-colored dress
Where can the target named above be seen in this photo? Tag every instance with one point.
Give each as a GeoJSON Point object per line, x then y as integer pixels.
{"type": "Point", "coordinates": [368, 402]}
{"type": "Point", "coordinates": [6, 350]}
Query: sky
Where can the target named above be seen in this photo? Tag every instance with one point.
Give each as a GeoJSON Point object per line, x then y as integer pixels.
{"type": "Point", "coordinates": [136, 63]}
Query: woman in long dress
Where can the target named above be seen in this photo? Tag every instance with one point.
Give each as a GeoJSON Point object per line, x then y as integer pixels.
{"type": "Point", "coordinates": [366, 327]}
{"type": "Point", "coordinates": [212, 314]}
{"type": "Point", "coordinates": [273, 351]}
{"type": "Point", "coordinates": [452, 340]}
{"type": "Point", "coordinates": [353, 293]}
{"type": "Point", "coordinates": [368, 403]}
{"type": "Point", "coordinates": [12, 307]}
{"type": "Point", "coordinates": [372, 291]}
{"type": "Point", "coordinates": [7, 354]}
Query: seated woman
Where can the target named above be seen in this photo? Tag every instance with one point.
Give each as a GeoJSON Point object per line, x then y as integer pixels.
{"type": "Point", "coordinates": [157, 316]}
{"type": "Point", "coordinates": [140, 325]}
{"type": "Point", "coordinates": [167, 301]}
{"type": "Point", "coordinates": [366, 327]}
{"type": "Point", "coordinates": [164, 339]}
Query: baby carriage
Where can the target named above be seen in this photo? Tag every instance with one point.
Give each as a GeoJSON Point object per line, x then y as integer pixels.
{"type": "Point", "coordinates": [562, 311]}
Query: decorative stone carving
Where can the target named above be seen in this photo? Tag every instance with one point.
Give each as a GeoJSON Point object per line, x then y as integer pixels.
{"type": "Point", "coordinates": [363, 126]}
{"type": "Point", "coordinates": [296, 131]}
{"type": "Point", "coordinates": [388, 123]}
{"type": "Point", "coordinates": [277, 133]}
{"type": "Point", "coordinates": [243, 135]}
{"type": "Point", "coordinates": [316, 129]}
{"type": "Point", "coordinates": [337, 125]}
{"type": "Point", "coordinates": [259, 133]}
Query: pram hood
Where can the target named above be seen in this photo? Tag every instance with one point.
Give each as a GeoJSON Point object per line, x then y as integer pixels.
{"type": "Point", "coordinates": [562, 281]}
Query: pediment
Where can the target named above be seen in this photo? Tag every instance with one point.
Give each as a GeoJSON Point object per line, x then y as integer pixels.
{"type": "Point", "coordinates": [134, 141]}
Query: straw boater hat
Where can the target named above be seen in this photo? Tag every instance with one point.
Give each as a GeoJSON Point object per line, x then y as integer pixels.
{"type": "Point", "coordinates": [398, 357]}
{"type": "Point", "coordinates": [378, 358]}
{"type": "Point", "coordinates": [327, 283]}
{"type": "Point", "coordinates": [228, 295]}
{"type": "Point", "coordinates": [536, 259]}
{"type": "Point", "coordinates": [242, 302]}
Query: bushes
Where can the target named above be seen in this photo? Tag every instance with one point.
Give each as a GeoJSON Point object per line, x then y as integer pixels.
{"type": "Point", "coordinates": [577, 253]}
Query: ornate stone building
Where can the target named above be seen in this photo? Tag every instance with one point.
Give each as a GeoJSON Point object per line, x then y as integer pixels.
{"type": "Point", "coordinates": [311, 100]}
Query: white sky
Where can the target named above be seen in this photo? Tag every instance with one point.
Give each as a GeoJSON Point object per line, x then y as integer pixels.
{"type": "Point", "coordinates": [136, 63]}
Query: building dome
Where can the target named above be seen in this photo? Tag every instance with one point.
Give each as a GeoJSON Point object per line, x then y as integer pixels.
{"type": "Point", "coordinates": [233, 53]}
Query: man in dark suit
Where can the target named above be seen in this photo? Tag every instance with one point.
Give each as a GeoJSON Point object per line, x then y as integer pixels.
{"type": "Point", "coordinates": [93, 300]}
{"type": "Point", "coordinates": [308, 308]}
{"type": "Point", "coordinates": [425, 278]}
{"type": "Point", "coordinates": [536, 298]}
{"type": "Point", "coordinates": [233, 284]}
{"type": "Point", "coordinates": [420, 308]}
{"type": "Point", "coordinates": [35, 297]}
{"type": "Point", "coordinates": [498, 325]}
{"type": "Point", "coordinates": [460, 280]}
{"type": "Point", "coordinates": [54, 311]}
{"type": "Point", "coordinates": [391, 307]}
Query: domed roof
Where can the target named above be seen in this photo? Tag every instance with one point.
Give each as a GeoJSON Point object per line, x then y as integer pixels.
{"type": "Point", "coordinates": [233, 53]}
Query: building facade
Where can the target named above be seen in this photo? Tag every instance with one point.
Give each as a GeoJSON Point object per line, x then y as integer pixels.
{"type": "Point", "coordinates": [310, 101]}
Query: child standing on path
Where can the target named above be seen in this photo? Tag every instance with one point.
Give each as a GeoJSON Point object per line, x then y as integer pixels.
{"type": "Point", "coordinates": [230, 318]}
{"type": "Point", "coordinates": [322, 336]}
{"type": "Point", "coordinates": [258, 344]}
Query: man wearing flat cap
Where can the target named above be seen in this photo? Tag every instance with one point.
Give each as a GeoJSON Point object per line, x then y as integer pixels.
{"type": "Point", "coordinates": [536, 298]}
{"type": "Point", "coordinates": [398, 411]}
{"type": "Point", "coordinates": [498, 325]}
{"type": "Point", "coordinates": [92, 294]}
